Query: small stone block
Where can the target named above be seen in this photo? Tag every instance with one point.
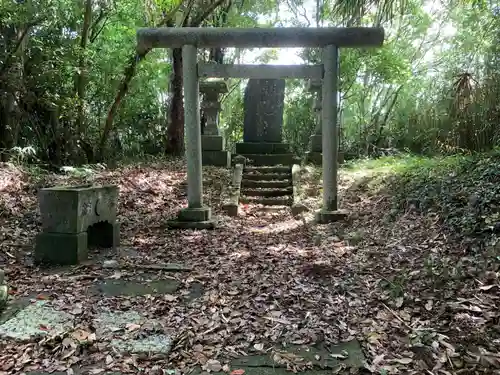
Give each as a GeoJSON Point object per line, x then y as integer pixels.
{"type": "Point", "coordinates": [325, 217]}
{"type": "Point", "coordinates": [211, 143]}
{"type": "Point", "coordinates": [176, 224]}
{"type": "Point", "coordinates": [60, 248]}
{"type": "Point", "coordinates": [216, 158]}
{"type": "Point", "coordinates": [316, 143]}
{"type": "Point", "coordinates": [231, 209]}
{"type": "Point", "coordinates": [195, 214]}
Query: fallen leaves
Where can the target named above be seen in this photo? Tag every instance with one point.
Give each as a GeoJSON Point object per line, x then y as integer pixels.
{"type": "Point", "coordinates": [82, 336]}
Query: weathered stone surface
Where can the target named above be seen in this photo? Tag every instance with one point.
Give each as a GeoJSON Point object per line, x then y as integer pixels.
{"type": "Point", "coordinates": [232, 203]}
{"type": "Point", "coordinates": [211, 89]}
{"type": "Point", "coordinates": [321, 356]}
{"type": "Point", "coordinates": [73, 219]}
{"type": "Point", "coordinates": [262, 148]}
{"type": "Point", "coordinates": [72, 209]}
{"type": "Point", "coordinates": [60, 248]}
{"type": "Point", "coordinates": [151, 344]}
{"type": "Point", "coordinates": [325, 217]}
{"type": "Point", "coordinates": [42, 318]}
{"type": "Point", "coordinates": [211, 142]}
{"type": "Point", "coordinates": [216, 158]}
{"type": "Point", "coordinates": [344, 358]}
{"type": "Point", "coordinates": [263, 106]}
{"type": "Point", "coordinates": [116, 288]}
{"type": "Point", "coordinates": [316, 143]}
{"type": "Point", "coordinates": [108, 323]}
{"type": "Point", "coordinates": [195, 214]}
{"type": "Point", "coordinates": [37, 319]}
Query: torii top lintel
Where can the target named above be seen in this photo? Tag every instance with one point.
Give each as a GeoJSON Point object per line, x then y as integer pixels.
{"type": "Point", "coordinates": [209, 37]}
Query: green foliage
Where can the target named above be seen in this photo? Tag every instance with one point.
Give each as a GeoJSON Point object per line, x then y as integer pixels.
{"type": "Point", "coordinates": [232, 115]}
{"type": "Point", "coordinates": [431, 89]}
{"type": "Point", "coordinates": [463, 191]}
{"type": "Point", "coordinates": [298, 120]}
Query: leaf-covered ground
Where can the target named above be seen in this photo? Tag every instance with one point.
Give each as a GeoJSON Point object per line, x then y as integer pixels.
{"type": "Point", "coordinates": [400, 276]}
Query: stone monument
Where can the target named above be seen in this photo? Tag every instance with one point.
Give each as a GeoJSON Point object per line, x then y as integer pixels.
{"type": "Point", "coordinates": [264, 105]}
{"type": "Point", "coordinates": [212, 143]}
{"type": "Point", "coordinates": [73, 219]}
{"type": "Point", "coordinates": [263, 122]}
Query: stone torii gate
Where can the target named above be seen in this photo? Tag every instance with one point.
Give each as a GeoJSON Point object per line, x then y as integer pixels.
{"type": "Point", "coordinates": [196, 215]}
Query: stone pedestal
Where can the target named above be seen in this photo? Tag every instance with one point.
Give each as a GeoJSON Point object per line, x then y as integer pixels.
{"type": "Point", "coordinates": [74, 218]}
{"type": "Point", "coordinates": [325, 217]}
{"type": "Point", "coordinates": [193, 218]}
{"type": "Point", "coordinates": [212, 144]}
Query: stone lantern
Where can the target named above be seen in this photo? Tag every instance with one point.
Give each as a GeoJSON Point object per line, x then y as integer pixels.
{"type": "Point", "coordinates": [314, 155]}
{"type": "Point", "coordinates": [212, 143]}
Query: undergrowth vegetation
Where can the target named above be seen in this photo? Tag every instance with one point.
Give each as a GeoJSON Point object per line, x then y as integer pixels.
{"type": "Point", "coordinates": [462, 190]}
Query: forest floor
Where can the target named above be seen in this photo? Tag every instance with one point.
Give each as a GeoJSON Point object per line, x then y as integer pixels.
{"type": "Point", "coordinates": [412, 275]}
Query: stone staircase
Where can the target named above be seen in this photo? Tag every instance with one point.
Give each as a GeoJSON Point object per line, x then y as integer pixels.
{"type": "Point", "coordinates": [267, 185]}
{"type": "Point", "coordinates": [267, 176]}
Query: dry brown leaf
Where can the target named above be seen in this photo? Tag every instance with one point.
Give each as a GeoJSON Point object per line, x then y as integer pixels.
{"type": "Point", "coordinates": [132, 327]}
{"type": "Point", "coordinates": [403, 361]}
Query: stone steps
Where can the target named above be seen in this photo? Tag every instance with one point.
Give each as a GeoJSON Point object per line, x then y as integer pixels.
{"type": "Point", "coordinates": [267, 192]}
{"type": "Point", "coordinates": [267, 185]}
{"type": "Point", "coordinates": [262, 148]}
{"type": "Point", "coordinates": [270, 159]}
{"type": "Point", "coordinates": [268, 169]}
{"type": "Point", "coordinates": [267, 177]}
{"type": "Point", "coordinates": [248, 184]}
{"type": "Point", "coordinates": [268, 201]}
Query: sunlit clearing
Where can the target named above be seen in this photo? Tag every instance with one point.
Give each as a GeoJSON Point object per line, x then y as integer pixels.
{"type": "Point", "coordinates": [278, 227]}
{"type": "Point", "coordinates": [287, 249]}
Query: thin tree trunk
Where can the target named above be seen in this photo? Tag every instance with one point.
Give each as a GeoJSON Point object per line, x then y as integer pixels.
{"type": "Point", "coordinates": [122, 91]}
{"type": "Point", "coordinates": [81, 75]}
{"type": "Point", "coordinates": [175, 132]}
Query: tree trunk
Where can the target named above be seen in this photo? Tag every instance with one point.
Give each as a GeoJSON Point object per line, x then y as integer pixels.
{"type": "Point", "coordinates": [128, 75]}
{"type": "Point", "coordinates": [175, 136]}
{"type": "Point", "coordinates": [81, 75]}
